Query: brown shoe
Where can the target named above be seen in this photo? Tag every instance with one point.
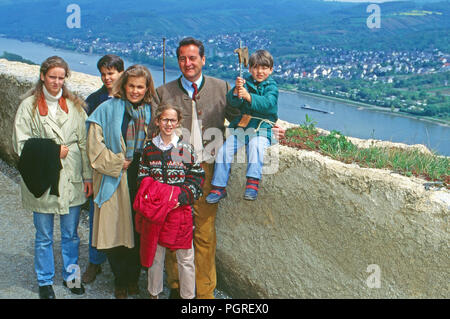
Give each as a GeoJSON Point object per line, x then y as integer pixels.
{"type": "Point", "coordinates": [120, 293]}
{"type": "Point", "coordinates": [91, 272]}
{"type": "Point", "coordinates": [133, 289]}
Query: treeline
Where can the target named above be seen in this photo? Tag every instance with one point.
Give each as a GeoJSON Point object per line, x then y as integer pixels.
{"type": "Point", "coordinates": [413, 95]}
{"type": "Point", "coordinates": [15, 57]}
{"type": "Point", "coordinates": [424, 80]}
{"type": "Point", "coordinates": [346, 28]}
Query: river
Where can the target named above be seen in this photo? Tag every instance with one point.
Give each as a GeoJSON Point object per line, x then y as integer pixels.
{"type": "Point", "coordinates": [348, 119]}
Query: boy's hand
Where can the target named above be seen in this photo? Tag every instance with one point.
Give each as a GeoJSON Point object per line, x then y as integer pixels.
{"type": "Point", "coordinates": [240, 82]}
{"type": "Point", "coordinates": [243, 94]}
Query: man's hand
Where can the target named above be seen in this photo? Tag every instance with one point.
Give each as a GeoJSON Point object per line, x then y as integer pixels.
{"type": "Point", "coordinates": [278, 132]}
{"type": "Point", "coordinates": [88, 188]}
{"type": "Point", "coordinates": [63, 151]}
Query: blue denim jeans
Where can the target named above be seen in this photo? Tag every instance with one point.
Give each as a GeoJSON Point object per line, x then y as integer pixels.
{"type": "Point", "coordinates": [95, 256]}
{"type": "Point", "coordinates": [44, 263]}
{"type": "Point", "coordinates": [255, 158]}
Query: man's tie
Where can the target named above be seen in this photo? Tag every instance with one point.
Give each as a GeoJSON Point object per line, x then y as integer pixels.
{"type": "Point", "coordinates": [196, 135]}
{"type": "Point", "coordinates": [194, 85]}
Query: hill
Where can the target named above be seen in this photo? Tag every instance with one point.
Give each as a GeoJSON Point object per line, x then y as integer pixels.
{"type": "Point", "coordinates": [153, 17]}
{"type": "Point", "coordinates": [291, 25]}
{"type": "Point", "coordinates": [320, 47]}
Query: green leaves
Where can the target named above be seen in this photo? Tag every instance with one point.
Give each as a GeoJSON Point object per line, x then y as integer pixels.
{"type": "Point", "coordinates": [336, 143]}
{"type": "Point", "coordinates": [403, 161]}
{"type": "Point", "coordinates": [309, 125]}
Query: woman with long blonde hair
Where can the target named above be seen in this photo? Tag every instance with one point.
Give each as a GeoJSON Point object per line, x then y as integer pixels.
{"type": "Point", "coordinates": [50, 134]}
{"type": "Point", "coordinates": [116, 135]}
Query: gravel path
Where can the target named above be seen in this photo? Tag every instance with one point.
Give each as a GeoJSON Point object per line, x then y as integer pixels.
{"type": "Point", "coordinates": [17, 278]}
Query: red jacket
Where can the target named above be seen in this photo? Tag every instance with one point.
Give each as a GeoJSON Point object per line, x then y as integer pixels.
{"type": "Point", "coordinates": [157, 221]}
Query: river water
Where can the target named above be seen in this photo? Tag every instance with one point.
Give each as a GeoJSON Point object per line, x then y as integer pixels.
{"type": "Point", "coordinates": [346, 118]}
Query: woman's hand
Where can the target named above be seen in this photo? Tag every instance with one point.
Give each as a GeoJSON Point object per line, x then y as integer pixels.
{"type": "Point", "coordinates": [126, 164]}
{"type": "Point", "coordinates": [63, 151]}
{"type": "Point", "coordinates": [88, 188]}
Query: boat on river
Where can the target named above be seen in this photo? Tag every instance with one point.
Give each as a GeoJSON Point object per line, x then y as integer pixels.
{"type": "Point", "coordinates": [307, 107]}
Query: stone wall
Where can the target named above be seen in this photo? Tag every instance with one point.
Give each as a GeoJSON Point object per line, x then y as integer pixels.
{"type": "Point", "coordinates": [317, 225]}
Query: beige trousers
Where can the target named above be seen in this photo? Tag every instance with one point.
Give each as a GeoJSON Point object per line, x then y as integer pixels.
{"type": "Point", "coordinates": [186, 272]}
{"type": "Point", "coordinates": [204, 244]}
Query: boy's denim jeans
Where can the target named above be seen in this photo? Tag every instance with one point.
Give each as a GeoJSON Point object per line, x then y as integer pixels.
{"type": "Point", "coordinates": [95, 256]}
{"type": "Point", "coordinates": [255, 158]}
{"type": "Point", "coordinates": [44, 264]}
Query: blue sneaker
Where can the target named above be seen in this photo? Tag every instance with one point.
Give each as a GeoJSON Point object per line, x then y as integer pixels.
{"type": "Point", "coordinates": [216, 194]}
{"type": "Point", "coordinates": [251, 189]}
{"type": "Point", "coordinates": [250, 194]}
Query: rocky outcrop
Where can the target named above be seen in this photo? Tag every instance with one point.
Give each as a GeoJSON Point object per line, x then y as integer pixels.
{"type": "Point", "coordinates": [319, 229]}
{"type": "Point", "coordinates": [319, 224]}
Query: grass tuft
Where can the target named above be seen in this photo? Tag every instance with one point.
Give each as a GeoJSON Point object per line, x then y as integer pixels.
{"type": "Point", "coordinates": [335, 145]}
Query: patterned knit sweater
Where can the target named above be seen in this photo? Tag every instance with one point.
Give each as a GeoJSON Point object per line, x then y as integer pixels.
{"type": "Point", "coordinates": [176, 166]}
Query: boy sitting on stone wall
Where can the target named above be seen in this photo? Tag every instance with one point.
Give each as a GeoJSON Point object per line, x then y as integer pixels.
{"type": "Point", "coordinates": [257, 98]}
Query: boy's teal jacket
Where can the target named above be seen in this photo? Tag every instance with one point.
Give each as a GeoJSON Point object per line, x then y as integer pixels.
{"type": "Point", "coordinates": [264, 104]}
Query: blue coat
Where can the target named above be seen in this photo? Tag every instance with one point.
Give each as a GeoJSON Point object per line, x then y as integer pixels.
{"type": "Point", "coordinates": [109, 116]}
{"type": "Point", "coordinates": [95, 99]}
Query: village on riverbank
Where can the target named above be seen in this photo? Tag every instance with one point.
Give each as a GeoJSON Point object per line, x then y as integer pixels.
{"type": "Point", "coordinates": [377, 79]}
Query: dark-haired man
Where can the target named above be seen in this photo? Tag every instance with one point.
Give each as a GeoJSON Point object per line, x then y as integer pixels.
{"type": "Point", "coordinates": [204, 106]}
{"type": "Point", "coordinates": [110, 67]}
{"type": "Point", "coordinates": [202, 100]}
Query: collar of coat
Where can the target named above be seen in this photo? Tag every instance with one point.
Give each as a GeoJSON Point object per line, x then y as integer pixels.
{"type": "Point", "coordinates": [199, 89]}
{"type": "Point", "coordinates": [253, 84]}
{"type": "Point", "coordinates": [43, 107]}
